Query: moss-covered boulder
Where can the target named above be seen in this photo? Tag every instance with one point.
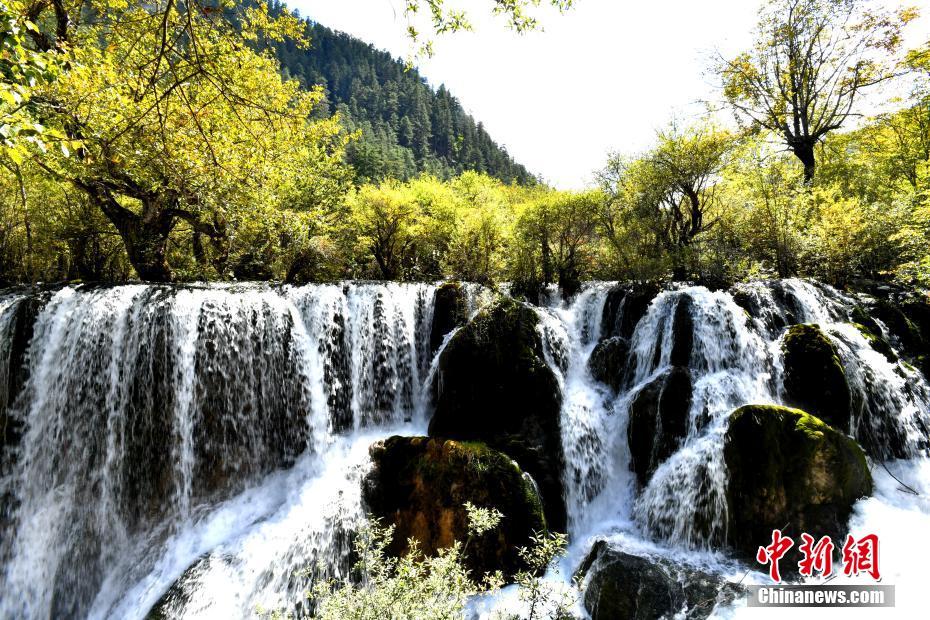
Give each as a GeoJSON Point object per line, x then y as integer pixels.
{"type": "Point", "coordinates": [419, 485]}
{"type": "Point", "coordinates": [609, 360]}
{"type": "Point", "coordinates": [658, 421]}
{"type": "Point", "coordinates": [450, 310]}
{"type": "Point", "coordinates": [814, 376]}
{"type": "Point", "coordinates": [621, 585]}
{"type": "Point", "coordinates": [787, 467]}
{"type": "Point", "coordinates": [493, 385]}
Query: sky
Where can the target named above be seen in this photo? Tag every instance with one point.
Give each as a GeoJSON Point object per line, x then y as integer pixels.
{"type": "Point", "coordinates": [602, 78]}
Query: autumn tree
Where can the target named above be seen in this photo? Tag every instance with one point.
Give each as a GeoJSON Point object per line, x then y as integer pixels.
{"type": "Point", "coordinates": [810, 64]}
{"type": "Point", "coordinates": [171, 121]}
{"type": "Point", "coordinates": [672, 189]}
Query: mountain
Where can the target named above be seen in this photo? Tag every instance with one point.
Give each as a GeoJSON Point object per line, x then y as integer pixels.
{"type": "Point", "coordinates": [407, 127]}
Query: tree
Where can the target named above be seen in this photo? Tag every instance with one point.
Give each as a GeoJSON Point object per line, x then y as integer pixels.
{"type": "Point", "coordinates": [175, 121]}
{"type": "Point", "coordinates": [811, 62]}
{"type": "Point", "coordinates": [672, 189]}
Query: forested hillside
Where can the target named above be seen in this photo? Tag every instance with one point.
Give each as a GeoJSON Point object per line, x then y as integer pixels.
{"type": "Point", "coordinates": [407, 128]}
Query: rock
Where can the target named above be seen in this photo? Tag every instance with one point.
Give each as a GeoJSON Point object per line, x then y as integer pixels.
{"type": "Point", "coordinates": [814, 376]}
{"type": "Point", "coordinates": [16, 370]}
{"type": "Point", "coordinates": [682, 332]}
{"type": "Point", "coordinates": [788, 468]}
{"type": "Point", "coordinates": [872, 332]}
{"type": "Point", "coordinates": [608, 361]}
{"type": "Point", "coordinates": [493, 385]}
{"type": "Point", "coordinates": [908, 319]}
{"type": "Point", "coordinates": [450, 310]}
{"type": "Point", "coordinates": [419, 485]}
{"type": "Point", "coordinates": [624, 306]}
{"type": "Point", "coordinates": [658, 421]}
{"type": "Point", "coordinates": [631, 587]}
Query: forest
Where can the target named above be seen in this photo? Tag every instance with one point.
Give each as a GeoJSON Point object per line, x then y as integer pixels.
{"type": "Point", "coordinates": [213, 141]}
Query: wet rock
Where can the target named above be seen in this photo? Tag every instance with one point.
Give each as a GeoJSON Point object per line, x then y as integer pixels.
{"type": "Point", "coordinates": [907, 316]}
{"type": "Point", "coordinates": [608, 361]}
{"type": "Point", "coordinates": [872, 332]}
{"type": "Point", "coordinates": [419, 485]}
{"type": "Point", "coordinates": [16, 369]}
{"type": "Point", "coordinates": [624, 306]}
{"type": "Point", "coordinates": [682, 332]}
{"type": "Point", "coordinates": [788, 468]}
{"type": "Point", "coordinates": [450, 310]}
{"type": "Point", "coordinates": [814, 376]}
{"type": "Point", "coordinates": [621, 585]}
{"type": "Point", "coordinates": [493, 385]}
{"type": "Point", "coordinates": [658, 421]}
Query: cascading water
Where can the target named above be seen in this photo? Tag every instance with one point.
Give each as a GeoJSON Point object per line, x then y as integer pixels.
{"type": "Point", "coordinates": [732, 353]}
{"type": "Point", "coordinates": [156, 425]}
{"type": "Point", "coordinates": [200, 449]}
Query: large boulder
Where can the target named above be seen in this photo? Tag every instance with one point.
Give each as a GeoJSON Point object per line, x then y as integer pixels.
{"type": "Point", "coordinates": [608, 361]}
{"type": "Point", "coordinates": [658, 421]}
{"type": "Point", "coordinates": [621, 585]}
{"type": "Point", "coordinates": [420, 485]}
{"type": "Point", "coordinates": [450, 310]}
{"type": "Point", "coordinates": [814, 376]}
{"type": "Point", "coordinates": [493, 385]}
{"type": "Point", "coordinates": [788, 468]}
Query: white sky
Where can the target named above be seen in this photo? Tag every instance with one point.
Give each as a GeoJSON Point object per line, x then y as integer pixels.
{"type": "Point", "coordinates": [604, 77]}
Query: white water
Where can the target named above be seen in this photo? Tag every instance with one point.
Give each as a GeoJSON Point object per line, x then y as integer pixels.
{"type": "Point", "coordinates": [128, 478]}
{"type": "Point", "coordinates": [735, 360]}
{"type": "Point", "coordinates": [223, 427]}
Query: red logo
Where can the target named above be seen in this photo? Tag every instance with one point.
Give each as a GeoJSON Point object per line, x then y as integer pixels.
{"type": "Point", "coordinates": [859, 556]}
{"type": "Point", "coordinates": [774, 552]}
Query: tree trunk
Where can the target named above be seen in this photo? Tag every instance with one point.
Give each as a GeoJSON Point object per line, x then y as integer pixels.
{"type": "Point", "coordinates": [146, 245]}
{"type": "Point", "coordinates": [805, 152]}
{"type": "Point", "coordinates": [145, 237]}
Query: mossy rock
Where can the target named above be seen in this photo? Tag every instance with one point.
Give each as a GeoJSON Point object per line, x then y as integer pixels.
{"type": "Point", "coordinates": [658, 421]}
{"type": "Point", "coordinates": [450, 310]}
{"type": "Point", "coordinates": [814, 376]}
{"type": "Point", "coordinates": [493, 385]}
{"type": "Point", "coordinates": [789, 470]}
{"type": "Point", "coordinates": [632, 587]}
{"type": "Point", "coordinates": [608, 361]}
{"type": "Point", "coordinates": [420, 485]}
{"type": "Point", "coordinates": [875, 340]}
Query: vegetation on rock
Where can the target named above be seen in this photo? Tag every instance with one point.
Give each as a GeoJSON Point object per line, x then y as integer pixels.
{"type": "Point", "coordinates": [419, 486]}
{"type": "Point", "coordinates": [789, 470]}
{"type": "Point", "coordinates": [493, 385]}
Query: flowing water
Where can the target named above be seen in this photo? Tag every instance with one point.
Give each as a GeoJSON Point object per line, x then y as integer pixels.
{"type": "Point", "coordinates": [208, 441]}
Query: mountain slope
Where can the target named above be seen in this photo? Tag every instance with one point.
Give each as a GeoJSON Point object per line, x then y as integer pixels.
{"type": "Point", "coordinates": [407, 127]}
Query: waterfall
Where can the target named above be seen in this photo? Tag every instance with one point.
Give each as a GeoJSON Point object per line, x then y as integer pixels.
{"type": "Point", "coordinates": [199, 449]}
{"type": "Point", "coordinates": [733, 356]}
{"type": "Point", "coordinates": [157, 424]}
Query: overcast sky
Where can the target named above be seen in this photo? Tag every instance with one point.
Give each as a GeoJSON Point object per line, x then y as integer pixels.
{"type": "Point", "coordinates": [601, 78]}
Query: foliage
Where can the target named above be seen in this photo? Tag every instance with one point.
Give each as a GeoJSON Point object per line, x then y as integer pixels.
{"type": "Point", "coordinates": [444, 19]}
{"type": "Point", "coordinates": [417, 587]}
{"type": "Point", "coordinates": [809, 65]}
